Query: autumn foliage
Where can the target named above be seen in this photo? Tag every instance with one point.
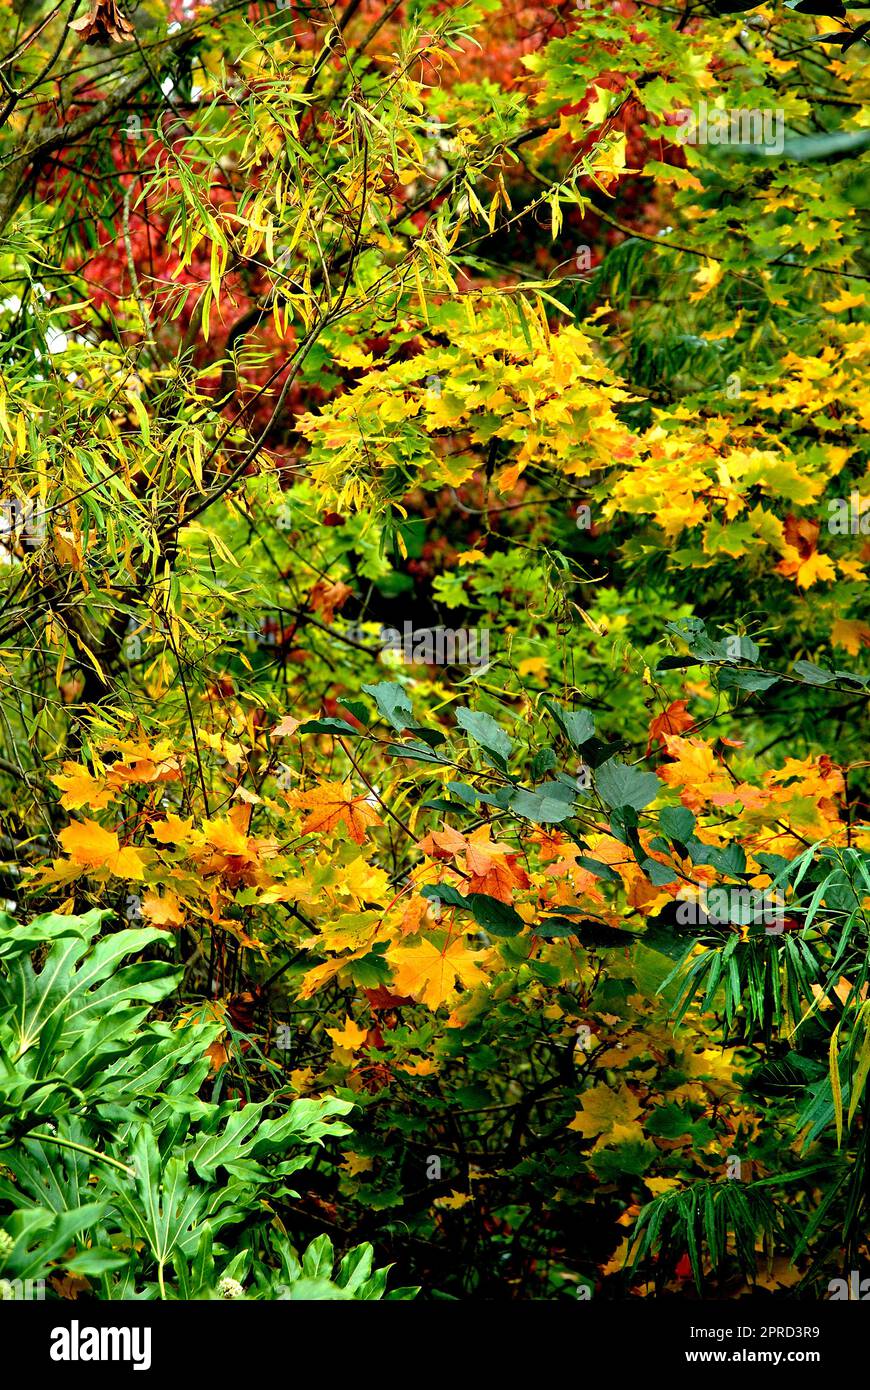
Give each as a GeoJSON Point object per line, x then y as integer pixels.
{"type": "Point", "coordinates": [436, 523]}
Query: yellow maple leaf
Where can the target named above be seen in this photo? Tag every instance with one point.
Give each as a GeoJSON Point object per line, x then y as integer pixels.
{"type": "Point", "coordinates": [163, 910]}
{"type": "Point", "coordinates": [534, 666]}
{"type": "Point", "coordinates": [313, 979]}
{"type": "Point", "coordinates": [601, 1109]}
{"type": "Point", "coordinates": [91, 846]}
{"type": "Point", "coordinates": [173, 830]}
{"type": "Point", "coordinates": [708, 278]}
{"type": "Point", "coordinates": [844, 301]}
{"type": "Point", "coordinates": [425, 1067]}
{"type": "Point", "coordinates": [631, 1133]}
{"type": "Point", "coordinates": [659, 1185]}
{"type": "Point", "coordinates": [454, 1201]}
{"type": "Point", "coordinates": [599, 105]}
{"type": "Point", "coordinates": [695, 771]}
{"type": "Point", "coordinates": [852, 569]}
{"type": "Point", "coordinates": [227, 836]}
{"type": "Point", "coordinates": [815, 566]}
{"type": "Point", "coordinates": [850, 634]}
{"type": "Point", "coordinates": [357, 1163]}
{"type": "Point", "coordinates": [351, 1036]}
{"type": "Point", "coordinates": [430, 974]}
{"type": "Point", "coordinates": [81, 789]}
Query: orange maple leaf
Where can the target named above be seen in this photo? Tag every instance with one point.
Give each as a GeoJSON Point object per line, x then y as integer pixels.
{"type": "Point", "coordinates": [432, 975]}
{"type": "Point", "coordinates": [142, 762]}
{"type": "Point", "coordinates": [443, 844]}
{"type": "Point", "coordinates": [326, 597]}
{"type": "Point", "coordinates": [695, 771]}
{"type": "Point", "coordinates": [674, 720]}
{"type": "Point", "coordinates": [286, 727]}
{"type": "Point", "coordinates": [493, 867]}
{"type": "Point", "coordinates": [801, 558]}
{"type": "Point", "coordinates": [334, 803]}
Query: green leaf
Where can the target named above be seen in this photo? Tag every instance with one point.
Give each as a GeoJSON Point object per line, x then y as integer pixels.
{"type": "Point", "coordinates": [659, 874]}
{"type": "Point", "coordinates": [548, 804]}
{"type": "Point", "coordinates": [830, 146]}
{"type": "Point", "coordinates": [618, 784]}
{"type": "Point", "coordinates": [16, 938]}
{"type": "Point", "coordinates": [318, 1259]}
{"type": "Point", "coordinates": [484, 730]}
{"type": "Point", "coordinates": [677, 822]}
{"type": "Point", "coordinates": [159, 1206]}
{"type": "Point", "coordinates": [833, 9]}
{"type": "Point", "coordinates": [416, 752]}
{"type": "Point", "coordinates": [732, 678]}
{"type": "Point", "coordinates": [393, 704]}
{"type": "Point", "coordinates": [729, 859]}
{"type": "Point", "coordinates": [808, 671]}
{"type": "Point", "coordinates": [494, 916]}
{"type": "Point", "coordinates": [464, 792]}
{"type": "Point", "coordinates": [543, 761]}
{"type": "Point", "coordinates": [328, 726]}
{"type": "Point", "coordinates": [578, 726]}
{"type": "Point", "coordinates": [599, 869]}
{"type": "Point", "coordinates": [443, 893]}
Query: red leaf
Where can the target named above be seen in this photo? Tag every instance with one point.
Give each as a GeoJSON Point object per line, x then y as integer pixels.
{"type": "Point", "coordinates": [383, 998]}
{"type": "Point", "coordinates": [674, 720]}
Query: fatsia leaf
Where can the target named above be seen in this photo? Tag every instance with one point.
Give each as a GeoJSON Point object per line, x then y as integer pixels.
{"type": "Point", "coordinates": [159, 1205]}
{"type": "Point", "coordinates": [18, 938]}
{"type": "Point", "coordinates": [247, 1137]}
{"type": "Point", "coordinates": [42, 1237]}
{"type": "Point", "coordinates": [63, 992]}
